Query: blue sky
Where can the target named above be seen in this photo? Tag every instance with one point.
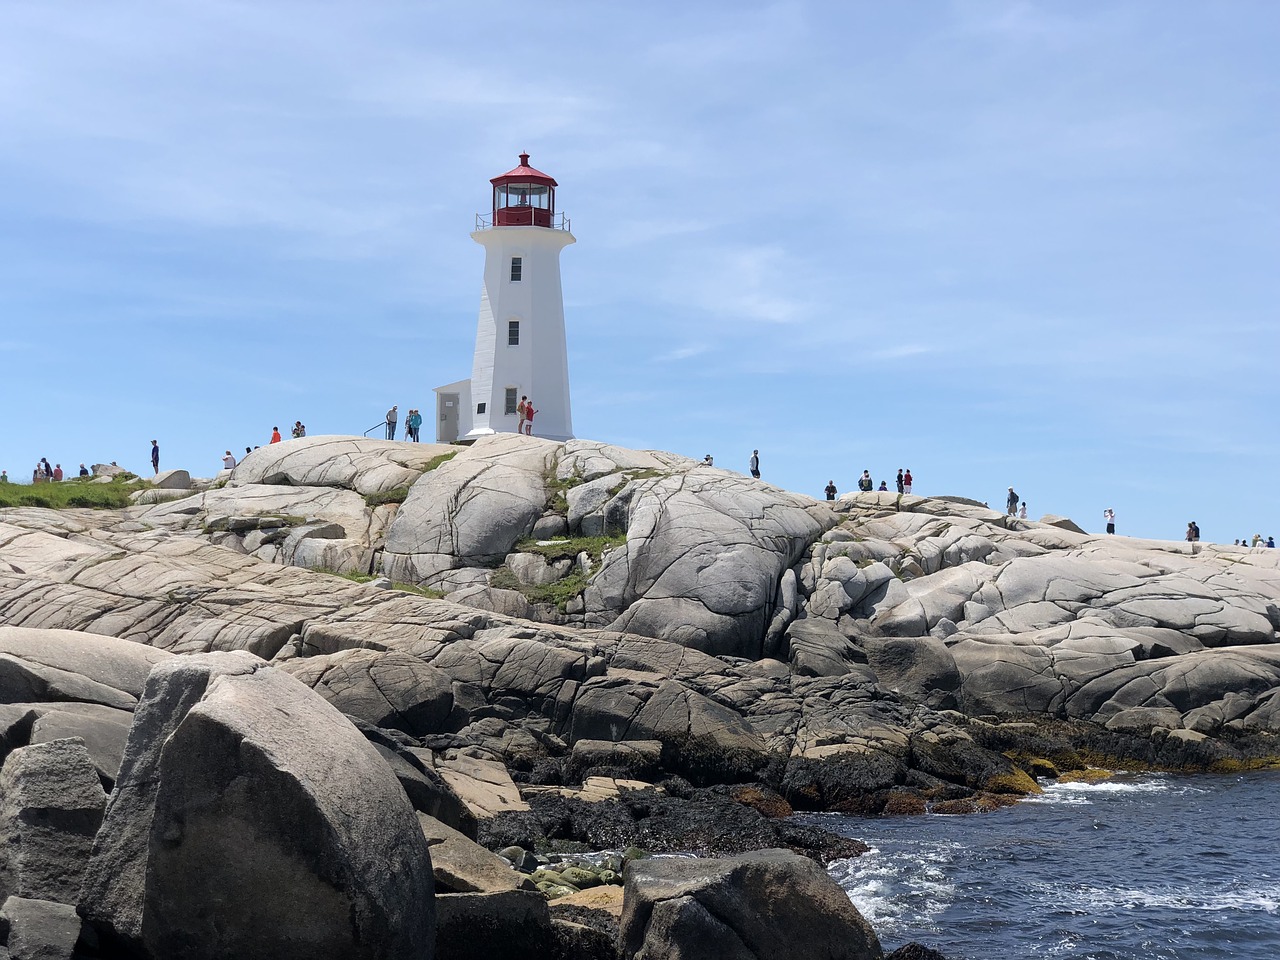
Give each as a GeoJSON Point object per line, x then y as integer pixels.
{"type": "Point", "coordinates": [999, 243]}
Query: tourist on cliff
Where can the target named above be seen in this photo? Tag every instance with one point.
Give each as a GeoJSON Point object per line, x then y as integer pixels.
{"type": "Point", "coordinates": [4, 476]}
{"type": "Point", "coordinates": [1193, 535]}
{"type": "Point", "coordinates": [299, 430]}
{"type": "Point", "coordinates": [415, 424]}
{"type": "Point", "coordinates": [831, 490]}
{"type": "Point", "coordinates": [865, 483]}
{"type": "Point", "coordinates": [1011, 502]}
{"type": "Point", "coordinates": [228, 461]}
{"type": "Point", "coordinates": [155, 456]}
{"type": "Point", "coordinates": [528, 418]}
{"type": "Point", "coordinates": [1109, 515]}
{"type": "Point", "coordinates": [57, 472]}
{"type": "Point", "coordinates": [906, 480]}
{"type": "Point", "coordinates": [755, 464]}
{"type": "Point", "coordinates": [1271, 542]}
{"type": "Point", "coordinates": [884, 486]}
{"type": "Point", "coordinates": [522, 412]}
{"type": "Point", "coordinates": [1022, 511]}
{"type": "Point", "coordinates": [275, 435]}
{"type": "Point", "coordinates": [84, 471]}
{"type": "Point", "coordinates": [393, 415]}
{"type": "Point", "coordinates": [902, 482]}
{"type": "Point", "coordinates": [707, 461]}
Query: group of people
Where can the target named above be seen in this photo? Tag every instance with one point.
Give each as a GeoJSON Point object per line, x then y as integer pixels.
{"type": "Point", "coordinates": [868, 485]}
{"type": "Point", "coordinates": [412, 423]}
{"type": "Point", "coordinates": [44, 473]}
{"type": "Point", "coordinates": [1257, 542]}
{"type": "Point", "coordinates": [524, 413]}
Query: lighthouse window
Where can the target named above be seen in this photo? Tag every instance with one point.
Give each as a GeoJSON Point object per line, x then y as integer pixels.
{"type": "Point", "coordinates": [517, 268]}
{"type": "Point", "coordinates": [480, 408]}
{"type": "Point", "coordinates": [513, 333]}
{"type": "Point", "coordinates": [511, 402]}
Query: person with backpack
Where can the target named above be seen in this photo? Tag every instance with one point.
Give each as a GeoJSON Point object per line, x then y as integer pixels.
{"type": "Point", "coordinates": [1011, 503]}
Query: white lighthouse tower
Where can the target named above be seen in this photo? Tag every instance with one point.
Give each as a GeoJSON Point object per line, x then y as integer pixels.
{"type": "Point", "coordinates": [520, 340]}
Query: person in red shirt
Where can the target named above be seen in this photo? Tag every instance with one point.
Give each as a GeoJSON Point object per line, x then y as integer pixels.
{"type": "Point", "coordinates": [275, 434]}
{"type": "Point", "coordinates": [528, 418]}
{"type": "Point", "coordinates": [57, 471]}
{"type": "Point", "coordinates": [906, 480]}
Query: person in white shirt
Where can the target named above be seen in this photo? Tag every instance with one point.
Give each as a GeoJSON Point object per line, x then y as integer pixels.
{"type": "Point", "coordinates": [228, 462]}
{"type": "Point", "coordinates": [1109, 515]}
{"type": "Point", "coordinates": [1022, 513]}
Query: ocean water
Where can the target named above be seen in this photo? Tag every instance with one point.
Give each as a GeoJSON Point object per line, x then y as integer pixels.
{"type": "Point", "coordinates": [1134, 868]}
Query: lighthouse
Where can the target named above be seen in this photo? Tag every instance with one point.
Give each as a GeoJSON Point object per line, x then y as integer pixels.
{"type": "Point", "coordinates": [520, 339]}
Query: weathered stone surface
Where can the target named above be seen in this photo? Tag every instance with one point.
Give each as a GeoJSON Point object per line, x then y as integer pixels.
{"type": "Point", "coordinates": [461, 865]}
{"type": "Point", "coordinates": [348, 463]}
{"type": "Point", "coordinates": [51, 805]}
{"type": "Point", "coordinates": [66, 665]}
{"type": "Point", "coordinates": [496, 925]}
{"type": "Point", "coordinates": [225, 752]}
{"type": "Point", "coordinates": [388, 689]}
{"type": "Point", "coordinates": [773, 903]}
{"type": "Point", "coordinates": [171, 480]}
{"type": "Point", "coordinates": [39, 929]}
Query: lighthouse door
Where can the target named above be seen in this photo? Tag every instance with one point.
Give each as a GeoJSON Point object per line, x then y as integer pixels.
{"type": "Point", "coordinates": [447, 419]}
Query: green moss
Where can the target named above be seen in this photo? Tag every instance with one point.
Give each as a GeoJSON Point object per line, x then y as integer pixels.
{"type": "Point", "coordinates": [559, 592]}
{"type": "Point", "coordinates": [398, 495]}
{"type": "Point", "coordinates": [427, 592]}
{"type": "Point", "coordinates": [570, 548]}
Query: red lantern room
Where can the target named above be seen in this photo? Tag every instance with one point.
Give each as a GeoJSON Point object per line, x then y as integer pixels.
{"type": "Point", "coordinates": [524, 197]}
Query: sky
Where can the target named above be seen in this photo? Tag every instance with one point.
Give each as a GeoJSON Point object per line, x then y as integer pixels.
{"type": "Point", "coordinates": [999, 243]}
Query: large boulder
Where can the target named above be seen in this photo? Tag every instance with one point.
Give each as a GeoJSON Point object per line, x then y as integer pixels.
{"type": "Point", "coordinates": [43, 665]}
{"type": "Point", "coordinates": [51, 805]}
{"type": "Point", "coordinates": [230, 755]}
{"type": "Point", "coordinates": [349, 463]}
{"type": "Point", "coordinates": [385, 688]}
{"type": "Point", "coordinates": [759, 906]}
{"type": "Point", "coordinates": [39, 929]}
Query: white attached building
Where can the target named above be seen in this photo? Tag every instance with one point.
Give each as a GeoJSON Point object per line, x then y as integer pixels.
{"type": "Point", "coordinates": [520, 341]}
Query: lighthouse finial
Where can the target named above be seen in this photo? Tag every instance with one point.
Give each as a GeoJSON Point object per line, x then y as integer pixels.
{"type": "Point", "coordinates": [524, 159]}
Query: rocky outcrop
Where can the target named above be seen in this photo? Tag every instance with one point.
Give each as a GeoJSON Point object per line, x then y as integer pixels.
{"type": "Point", "coordinates": [228, 754]}
{"type": "Point", "coordinates": [51, 805]}
{"type": "Point", "coordinates": [761, 905]}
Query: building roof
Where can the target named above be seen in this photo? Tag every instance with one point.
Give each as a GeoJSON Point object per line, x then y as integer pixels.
{"type": "Point", "coordinates": [524, 174]}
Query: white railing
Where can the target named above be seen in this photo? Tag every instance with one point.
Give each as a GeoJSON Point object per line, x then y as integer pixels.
{"type": "Point", "coordinates": [558, 222]}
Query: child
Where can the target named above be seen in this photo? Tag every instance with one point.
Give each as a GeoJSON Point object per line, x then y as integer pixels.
{"type": "Point", "coordinates": [1022, 513]}
{"type": "Point", "coordinates": [528, 418]}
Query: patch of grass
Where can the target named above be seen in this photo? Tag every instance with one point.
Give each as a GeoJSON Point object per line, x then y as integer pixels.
{"type": "Point", "coordinates": [398, 495]}
{"type": "Point", "coordinates": [443, 458]}
{"type": "Point", "coordinates": [569, 549]}
{"type": "Point", "coordinates": [557, 492]}
{"type": "Point", "coordinates": [67, 494]}
{"type": "Point", "coordinates": [559, 592]}
{"type": "Point", "coordinates": [427, 592]}
{"type": "Point", "coordinates": [628, 475]}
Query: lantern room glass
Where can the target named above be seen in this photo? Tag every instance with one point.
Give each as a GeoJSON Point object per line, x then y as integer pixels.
{"type": "Point", "coordinates": [535, 195]}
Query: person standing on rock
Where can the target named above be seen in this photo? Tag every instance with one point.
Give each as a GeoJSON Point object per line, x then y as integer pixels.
{"type": "Point", "coordinates": [416, 417]}
{"type": "Point", "coordinates": [1109, 516]}
{"type": "Point", "coordinates": [1022, 511]}
{"type": "Point", "coordinates": [906, 481]}
{"type": "Point", "coordinates": [4, 476]}
{"type": "Point", "coordinates": [84, 471]}
{"type": "Point", "coordinates": [228, 461]}
{"type": "Point", "coordinates": [1193, 535]}
{"type": "Point", "coordinates": [902, 483]}
{"type": "Point", "coordinates": [275, 435]}
{"type": "Point", "coordinates": [1011, 503]}
{"type": "Point", "coordinates": [528, 418]}
{"type": "Point", "coordinates": [755, 464]}
{"type": "Point", "coordinates": [865, 483]}
{"type": "Point", "coordinates": [393, 415]}
{"type": "Point", "coordinates": [831, 490]}
{"type": "Point", "coordinates": [155, 456]}
{"type": "Point", "coordinates": [522, 413]}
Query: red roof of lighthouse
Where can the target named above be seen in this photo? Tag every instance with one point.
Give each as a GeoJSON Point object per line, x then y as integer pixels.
{"type": "Point", "coordinates": [524, 174]}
